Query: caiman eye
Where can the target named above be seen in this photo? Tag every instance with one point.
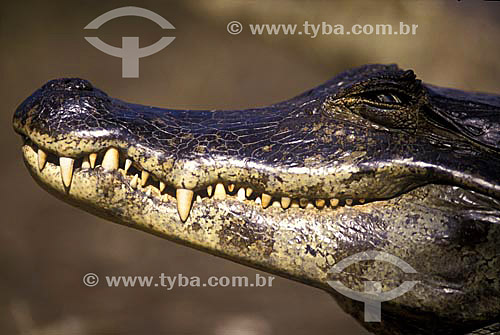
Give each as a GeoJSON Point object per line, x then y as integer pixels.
{"type": "Point", "coordinates": [387, 107]}
{"type": "Point", "coordinates": [388, 98]}
{"type": "Point", "coordinates": [385, 98]}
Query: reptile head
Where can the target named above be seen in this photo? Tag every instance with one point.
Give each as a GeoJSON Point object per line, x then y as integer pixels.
{"type": "Point", "coordinates": [372, 159]}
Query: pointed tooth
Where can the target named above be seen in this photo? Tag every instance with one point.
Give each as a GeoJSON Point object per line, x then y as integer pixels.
{"type": "Point", "coordinates": [85, 162]}
{"type": "Point", "coordinates": [362, 201]}
{"type": "Point", "coordinates": [134, 181]}
{"type": "Point", "coordinates": [241, 194]}
{"type": "Point", "coordinates": [310, 205]}
{"type": "Point", "coordinates": [248, 192]}
{"type": "Point", "coordinates": [198, 198]}
{"type": "Point", "coordinates": [230, 187]}
{"type": "Point", "coordinates": [111, 159]}
{"type": "Point", "coordinates": [42, 159]}
{"type": "Point", "coordinates": [276, 204]}
{"type": "Point", "coordinates": [92, 159]}
{"type": "Point", "coordinates": [148, 191]}
{"type": "Point", "coordinates": [266, 199]}
{"type": "Point", "coordinates": [162, 186]}
{"type": "Point", "coordinates": [285, 202]}
{"type": "Point", "coordinates": [66, 165]}
{"type": "Point", "coordinates": [320, 203]}
{"type": "Point", "coordinates": [334, 202]}
{"type": "Point", "coordinates": [184, 198]}
{"type": "Point", "coordinates": [220, 192]}
{"type": "Point", "coordinates": [303, 202]}
{"type": "Point", "coordinates": [210, 190]}
{"type": "Point", "coordinates": [144, 177]}
{"type": "Point", "coordinates": [128, 164]}
{"type": "Point", "coordinates": [348, 202]}
{"type": "Point", "coordinates": [258, 201]}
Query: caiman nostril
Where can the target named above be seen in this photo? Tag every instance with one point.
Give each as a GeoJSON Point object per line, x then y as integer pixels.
{"type": "Point", "coordinates": [68, 84]}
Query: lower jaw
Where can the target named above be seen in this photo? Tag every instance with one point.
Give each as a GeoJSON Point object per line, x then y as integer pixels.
{"type": "Point", "coordinates": [270, 239]}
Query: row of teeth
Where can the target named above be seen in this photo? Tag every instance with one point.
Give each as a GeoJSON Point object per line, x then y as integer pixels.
{"type": "Point", "coordinates": [184, 197]}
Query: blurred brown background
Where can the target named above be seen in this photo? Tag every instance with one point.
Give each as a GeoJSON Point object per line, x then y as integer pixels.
{"type": "Point", "coordinates": [47, 246]}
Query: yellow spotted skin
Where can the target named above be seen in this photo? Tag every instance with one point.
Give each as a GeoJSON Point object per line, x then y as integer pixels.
{"type": "Point", "coordinates": [371, 160]}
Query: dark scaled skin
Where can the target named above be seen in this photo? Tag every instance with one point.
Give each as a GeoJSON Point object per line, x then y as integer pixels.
{"type": "Point", "coordinates": [421, 164]}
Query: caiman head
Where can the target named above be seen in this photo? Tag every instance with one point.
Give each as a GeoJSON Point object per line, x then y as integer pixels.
{"type": "Point", "coordinates": [371, 160]}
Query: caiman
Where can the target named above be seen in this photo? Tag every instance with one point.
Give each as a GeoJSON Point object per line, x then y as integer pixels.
{"type": "Point", "coordinates": [373, 159]}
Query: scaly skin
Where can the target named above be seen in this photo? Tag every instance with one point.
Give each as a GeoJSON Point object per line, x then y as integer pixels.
{"type": "Point", "coordinates": [412, 170]}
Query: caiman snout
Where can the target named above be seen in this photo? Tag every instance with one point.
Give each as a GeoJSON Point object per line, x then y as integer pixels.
{"type": "Point", "coordinates": [65, 116]}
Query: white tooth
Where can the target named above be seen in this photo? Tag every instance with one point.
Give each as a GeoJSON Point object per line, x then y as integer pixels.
{"type": "Point", "coordinates": [184, 198]}
{"type": "Point", "coordinates": [241, 194]}
{"type": "Point", "coordinates": [128, 164]}
{"type": "Point", "coordinates": [66, 165]}
{"type": "Point", "coordinates": [266, 199]}
{"type": "Point", "coordinates": [111, 159]}
{"type": "Point", "coordinates": [285, 202]}
{"type": "Point", "coordinates": [348, 202]}
{"type": "Point", "coordinates": [303, 202]}
{"type": "Point", "coordinates": [310, 206]}
{"type": "Point", "coordinates": [276, 204]}
{"type": "Point", "coordinates": [134, 181]}
{"type": "Point", "coordinates": [85, 162]}
{"type": "Point", "coordinates": [258, 201]}
{"type": "Point", "coordinates": [210, 190]}
{"type": "Point", "coordinates": [334, 202]}
{"type": "Point", "coordinates": [230, 187]}
{"type": "Point", "coordinates": [42, 159]}
{"type": "Point", "coordinates": [148, 191]}
{"type": "Point", "coordinates": [144, 177]}
{"type": "Point", "coordinates": [248, 192]}
{"type": "Point", "coordinates": [320, 203]}
{"type": "Point", "coordinates": [162, 186]}
{"type": "Point", "coordinates": [92, 159]}
{"type": "Point", "coordinates": [220, 192]}
{"type": "Point", "coordinates": [198, 198]}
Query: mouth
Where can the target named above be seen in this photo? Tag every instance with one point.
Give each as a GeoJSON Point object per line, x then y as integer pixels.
{"type": "Point", "coordinates": [63, 171]}
{"type": "Point", "coordinates": [134, 176]}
